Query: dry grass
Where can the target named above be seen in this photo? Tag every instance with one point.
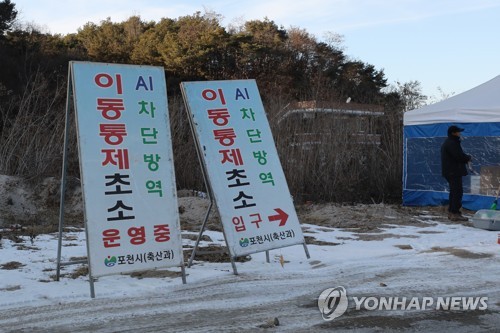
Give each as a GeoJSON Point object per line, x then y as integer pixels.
{"type": "Point", "coordinates": [80, 271]}
{"type": "Point", "coordinates": [194, 237]}
{"type": "Point", "coordinates": [461, 253]}
{"type": "Point", "coordinates": [313, 241]}
{"type": "Point", "coordinates": [11, 265]}
{"type": "Point", "coordinates": [212, 253]}
{"type": "Point", "coordinates": [157, 274]}
{"type": "Point", "coordinates": [31, 140]}
{"type": "Point", "coordinates": [11, 288]}
{"type": "Point", "coordinates": [404, 247]}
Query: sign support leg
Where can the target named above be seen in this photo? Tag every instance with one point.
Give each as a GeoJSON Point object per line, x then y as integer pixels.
{"type": "Point", "coordinates": [267, 257]}
{"type": "Point", "coordinates": [183, 271]}
{"type": "Point", "coordinates": [198, 239]}
{"type": "Point", "coordinates": [92, 290]}
{"type": "Point", "coordinates": [190, 262]}
{"type": "Point", "coordinates": [306, 250]}
{"type": "Point", "coordinates": [233, 263]}
{"type": "Point", "coordinates": [63, 177]}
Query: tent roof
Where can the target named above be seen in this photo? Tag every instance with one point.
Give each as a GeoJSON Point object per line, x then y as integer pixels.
{"type": "Point", "coordinates": [477, 105]}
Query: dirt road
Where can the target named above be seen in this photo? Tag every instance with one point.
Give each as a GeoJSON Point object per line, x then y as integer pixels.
{"type": "Point", "coordinates": [243, 303]}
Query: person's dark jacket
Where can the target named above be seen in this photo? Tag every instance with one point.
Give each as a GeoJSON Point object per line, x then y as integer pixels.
{"type": "Point", "coordinates": [453, 158]}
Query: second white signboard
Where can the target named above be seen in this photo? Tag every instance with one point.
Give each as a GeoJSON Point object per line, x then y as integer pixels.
{"type": "Point", "coordinates": [242, 165]}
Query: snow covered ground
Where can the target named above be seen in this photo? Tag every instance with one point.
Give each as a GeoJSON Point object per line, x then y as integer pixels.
{"type": "Point", "coordinates": [440, 260]}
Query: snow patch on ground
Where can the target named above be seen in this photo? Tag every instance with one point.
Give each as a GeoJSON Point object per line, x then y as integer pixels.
{"type": "Point", "coordinates": [371, 250]}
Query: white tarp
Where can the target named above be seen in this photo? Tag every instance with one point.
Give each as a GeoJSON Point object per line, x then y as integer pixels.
{"type": "Point", "coordinates": [477, 105]}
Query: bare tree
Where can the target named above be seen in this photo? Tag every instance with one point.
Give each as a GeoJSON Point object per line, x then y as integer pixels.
{"type": "Point", "coordinates": [411, 94]}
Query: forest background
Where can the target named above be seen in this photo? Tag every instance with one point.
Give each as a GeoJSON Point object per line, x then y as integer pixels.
{"type": "Point", "coordinates": [340, 156]}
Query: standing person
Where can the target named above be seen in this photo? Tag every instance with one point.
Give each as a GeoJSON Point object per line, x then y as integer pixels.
{"type": "Point", "coordinates": [453, 161]}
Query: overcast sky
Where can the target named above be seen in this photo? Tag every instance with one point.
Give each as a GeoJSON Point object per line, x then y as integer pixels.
{"type": "Point", "coordinates": [451, 44]}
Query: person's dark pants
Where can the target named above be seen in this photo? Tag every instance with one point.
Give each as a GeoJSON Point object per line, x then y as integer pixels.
{"type": "Point", "coordinates": [456, 194]}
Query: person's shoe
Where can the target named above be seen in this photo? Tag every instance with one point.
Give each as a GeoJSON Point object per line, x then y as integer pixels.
{"type": "Point", "coordinates": [457, 217]}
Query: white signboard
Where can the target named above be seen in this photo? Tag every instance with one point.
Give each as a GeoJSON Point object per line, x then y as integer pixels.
{"type": "Point", "coordinates": [242, 165]}
{"type": "Point", "coordinates": [126, 163]}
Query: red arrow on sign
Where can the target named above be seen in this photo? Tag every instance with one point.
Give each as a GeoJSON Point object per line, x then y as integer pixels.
{"type": "Point", "coordinates": [281, 216]}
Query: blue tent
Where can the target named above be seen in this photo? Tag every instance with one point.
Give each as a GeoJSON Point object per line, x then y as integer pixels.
{"type": "Point", "coordinates": [478, 112]}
